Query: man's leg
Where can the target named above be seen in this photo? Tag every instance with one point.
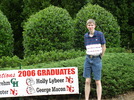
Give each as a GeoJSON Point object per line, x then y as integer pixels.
{"type": "Point", "coordinates": [87, 88]}
{"type": "Point", "coordinates": [98, 89]}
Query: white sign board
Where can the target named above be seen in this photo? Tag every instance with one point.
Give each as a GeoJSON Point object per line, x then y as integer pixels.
{"type": "Point", "coordinates": [32, 82]}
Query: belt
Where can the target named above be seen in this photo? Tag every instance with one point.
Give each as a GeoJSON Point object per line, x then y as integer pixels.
{"type": "Point", "coordinates": [91, 56]}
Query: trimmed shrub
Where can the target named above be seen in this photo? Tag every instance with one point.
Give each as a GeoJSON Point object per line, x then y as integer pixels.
{"type": "Point", "coordinates": [48, 57]}
{"type": "Point", "coordinates": [118, 69]}
{"type": "Point", "coordinates": [6, 37]}
{"type": "Point", "coordinates": [12, 9]}
{"type": "Point", "coordinates": [106, 23]}
{"type": "Point", "coordinates": [49, 29]}
{"type": "Point", "coordinates": [41, 57]}
{"type": "Point", "coordinates": [116, 50]}
{"type": "Point", "coordinates": [10, 62]}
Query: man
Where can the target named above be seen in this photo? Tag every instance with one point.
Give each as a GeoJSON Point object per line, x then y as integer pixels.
{"type": "Point", "coordinates": [95, 48]}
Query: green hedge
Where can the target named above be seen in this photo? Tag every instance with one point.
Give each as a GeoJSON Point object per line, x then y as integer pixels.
{"type": "Point", "coordinates": [117, 73]}
{"type": "Point", "coordinates": [49, 29]}
{"type": "Point", "coordinates": [116, 50]}
{"type": "Point", "coordinates": [10, 62]}
{"type": "Point", "coordinates": [106, 23]}
{"type": "Point", "coordinates": [6, 37]}
{"type": "Point", "coordinates": [48, 57]}
{"type": "Point", "coordinates": [7, 62]}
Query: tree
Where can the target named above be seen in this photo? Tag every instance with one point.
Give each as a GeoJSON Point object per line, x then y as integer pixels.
{"type": "Point", "coordinates": [30, 7]}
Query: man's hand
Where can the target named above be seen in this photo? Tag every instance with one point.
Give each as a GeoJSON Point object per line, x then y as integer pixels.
{"type": "Point", "coordinates": [103, 50]}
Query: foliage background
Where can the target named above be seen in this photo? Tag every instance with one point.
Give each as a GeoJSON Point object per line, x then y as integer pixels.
{"type": "Point", "coordinates": [50, 29]}
{"type": "Point", "coordinates": [106, 23]}
{"type": "Point", "coordinates": [12, 9]}
{"type": "Point", "coordinates": [123, 10]}
{"type": "Point", "coordinates": [17, 12]}
{"type": "Point", "coordinates": [118, 68]}
{"type": "Point", "coordinates": [6, 37]}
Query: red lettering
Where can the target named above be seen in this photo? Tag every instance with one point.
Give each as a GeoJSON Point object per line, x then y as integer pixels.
{"type": "Point", "coordinates": [52, 72]}
{"type": "Point", "coordinates": [28, 73]}
{"type": "Point", "coordinates": [33, 72]}
{"type": "Point", "coordinates": [20, 73]}
{"type": "Point", "coordinates": [43, 72]}
{"type": "Point", "coordinates": [70, 88]}
{"type": "Point", "coordinates": [62, 72]}
{"type": "Point", "coordinates": [69, 71]}
{"type": "Point", "coordinates": [56, 72]}
{"type": "Point", "coordinates": [25, 73]}
{"type": "Point", "coordinates": [66, 71]}
{"type": "Point", "coordinates": [13, 91]}
{"type": "Point", "coordinates": [39, 72]}
{"type": "Point", "coordinates": [73, 71]}
{"type": "Point", "coordinates": [48, 72]}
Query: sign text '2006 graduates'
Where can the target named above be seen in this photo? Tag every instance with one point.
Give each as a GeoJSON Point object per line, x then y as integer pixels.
{"type": "Point", "coordinates": [31, 82]}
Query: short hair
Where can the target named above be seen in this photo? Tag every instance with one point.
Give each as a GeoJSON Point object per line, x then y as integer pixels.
{"type": "Point", "coordinates": [91, 21]}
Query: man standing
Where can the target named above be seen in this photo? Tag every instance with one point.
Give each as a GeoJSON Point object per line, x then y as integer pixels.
{"type": "Point", "coordinates": [95, 44]}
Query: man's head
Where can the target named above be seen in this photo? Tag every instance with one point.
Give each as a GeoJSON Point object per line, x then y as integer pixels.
{"type": "Point", "coordinates": [91, 24]}
{"type": "Point", "coordinates": [91, 21]}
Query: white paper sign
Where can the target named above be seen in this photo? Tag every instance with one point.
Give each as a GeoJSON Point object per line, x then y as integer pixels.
{"type": "Point", "coordinates": [94, 49]}
{"type": "Point", "coordinates": [31, 82]}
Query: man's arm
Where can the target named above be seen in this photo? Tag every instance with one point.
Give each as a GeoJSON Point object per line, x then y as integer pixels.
{"type": "Point", "coordinates": [103, 49]}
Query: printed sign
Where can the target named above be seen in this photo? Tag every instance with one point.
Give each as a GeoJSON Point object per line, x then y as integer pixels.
{"type": "Point", "coordinates": [31, 82]}
{"type": "Point", "coordinates": [94, 49]}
